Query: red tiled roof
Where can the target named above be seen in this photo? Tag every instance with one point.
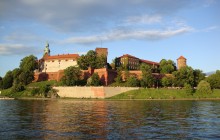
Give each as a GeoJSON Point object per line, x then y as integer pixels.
{"type": "Point", "coordinates": [128, 55]}
{"type": "Point", "coordinates": [63, 56]}
{"type": "Point", "coordinates": [181, 57]}
{"type": "Point", "coordinates": [149, 62]}
{"type": "Point", "coordinates": [142, 60]}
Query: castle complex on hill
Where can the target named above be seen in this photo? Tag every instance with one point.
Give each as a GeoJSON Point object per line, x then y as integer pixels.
{"type": "Point", "coordinates": [51, 67]}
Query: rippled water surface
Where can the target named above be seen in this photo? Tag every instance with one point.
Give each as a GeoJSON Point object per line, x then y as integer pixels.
{"type": "Point", "coordinates": [83, 119]}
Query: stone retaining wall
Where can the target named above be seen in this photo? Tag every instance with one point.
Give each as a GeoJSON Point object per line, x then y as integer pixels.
{"type": "Point", "coordinates": [91, 92]}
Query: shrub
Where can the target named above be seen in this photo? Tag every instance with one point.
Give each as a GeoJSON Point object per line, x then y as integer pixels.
{"type": "Point", "coordinates": [188, 89]}
{"type": "Point", "coordinates": [132, 82]}
{"type": "Point", "coordinates": [18, 87]}
{"type": "Point", "coordinates": [44, 90]}
{"type": "Point", "coordinates": [167, 81]}
{"type": "Point", "coordinates": [94, 80]}
{"type": "Point", "coordinates": [35, 91]}
{"type": "Point", "coordinates": [204, 87]}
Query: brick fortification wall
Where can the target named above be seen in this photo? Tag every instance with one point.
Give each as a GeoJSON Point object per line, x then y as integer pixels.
{"type": "Point", "coordinates": [44, 76]}
{"type": "Point", "coordinates": [91, 92]}
{"type": "Point", "coordinates": [138, 74]}
{"type": "Point", "coordinates": [106, 76]}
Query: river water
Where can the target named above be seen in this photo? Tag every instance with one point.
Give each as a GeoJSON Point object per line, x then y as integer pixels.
{"type": "Point", "coordinates": [91, 119]}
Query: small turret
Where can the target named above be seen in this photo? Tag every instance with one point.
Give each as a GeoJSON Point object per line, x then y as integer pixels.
{"type": "Point", "coordinates": [181, 62]}
{"type": "Point", "coordinates": [47, 49]}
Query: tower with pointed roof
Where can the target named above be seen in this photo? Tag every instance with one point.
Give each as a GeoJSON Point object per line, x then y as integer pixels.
{"type": "Point", "coordinates": [181, 62]}
{"type": "Point", "coordinates": [47, 49]}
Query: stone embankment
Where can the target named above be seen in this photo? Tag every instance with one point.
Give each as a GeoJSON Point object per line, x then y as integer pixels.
{"type": "Point", "coordinates": [91, 92]}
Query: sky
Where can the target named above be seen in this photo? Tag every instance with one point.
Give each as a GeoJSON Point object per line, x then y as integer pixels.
{"type": "Point", "coordinates": [148, 29]}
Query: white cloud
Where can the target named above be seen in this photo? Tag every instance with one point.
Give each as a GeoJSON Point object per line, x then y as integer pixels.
{"type": "Point", "coordinates": [22, 36]}
{"type": "Point", "coordinates": [208, 29]}
{"type": "Point", "coordinates": [143, 19]}
{"type": "Point", "coordinates": [116, 35]}
{"type": "Point", "coordinates": [17, 49]}
{"type": "Point", "coordinates": [88, 15]}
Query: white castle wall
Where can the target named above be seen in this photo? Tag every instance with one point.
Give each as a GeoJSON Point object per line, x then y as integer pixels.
{"type": "Point", "coordinates": [56, 65]}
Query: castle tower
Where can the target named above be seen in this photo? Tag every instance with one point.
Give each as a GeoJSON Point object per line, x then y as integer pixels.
{"type": "Point", "coordinates": [181, 62]}
{"type": "Point", "coordinates": [102, 52]}
{"type": "Point", "coordinates": [47, 49]}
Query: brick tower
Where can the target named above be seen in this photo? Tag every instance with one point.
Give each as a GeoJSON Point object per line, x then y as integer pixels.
{"type": "Point", "coordinates": [181, 62]}
{"type": "Point", "coordinates": [102, 52]}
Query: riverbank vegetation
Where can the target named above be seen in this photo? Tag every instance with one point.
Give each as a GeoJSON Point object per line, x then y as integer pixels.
{"type": "Point", "coordinates": [36, 89]}
{"type": "Point", "coordinates": [162, 93]}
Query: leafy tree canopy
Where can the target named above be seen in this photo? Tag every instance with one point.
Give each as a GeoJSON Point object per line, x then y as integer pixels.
{"type": "Point", "coordinates": [7, 81]}
{"type": "Point", "coordinates": [214, 80]}
{"type": "Point", "coordinates": [1, 83]}
{"type": "Point", "coordinates": [29, 63]}
{"type": "Point", "coordinates": [147, 77]}
{"type": "Point", "coordinates": [132, 82]}
{"type": "Point", "coordinates": [184, 75]}
{"type": "Point", "coordinates": [94, 80]}
{"type": "Point", "coordinates": [167, 81]}
{"type": "Point", "coordinates": [71, 76]}
{"type": "Point", "coordinates": [167, 66]}
{"type": "Point", "coordinates": [118, 79]}
{"type": "Point", "coordinates": [204, 87]}
{"type": "Point", "coordinates": [198, 76]}
{"type": "Point", "coordinates": [91, 59]}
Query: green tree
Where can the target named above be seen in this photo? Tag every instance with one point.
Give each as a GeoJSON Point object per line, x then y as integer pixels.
{"type": "Point", "coordinates": [26, 77]}
{"type": "Point", "coordinates": [126, 74]}
{"type": "Point", "coordinates": [204, 87]}
{"type": "Point", "coordinates": [167, 66]}
{"type": "Point", "coordinates": [113, 63]}
{"type": "Point", "coordinates": [71, 76]}
{"type": "Point", "coordinates": [101, 61]}
{"type": "Point", "coordinates": [188, 89]}
{"type": "Point", "coordinates": [7, 81]}
{"type": "Point", "coordinates": [44, 89]}
{"type": "Point", "coordinates": [132, 81]}
{"type": "Point", "coordinates": [29, 63]}
{"type": "Point", "coordinates": [147, 79]}
{"type": "Point", "coordinates": [26, 72]}
{"type": "Point", "coordinates": [118, 78]}
{"type": "Point", "coordinates": [82, 62]}
{"type": "Point", "coordinates": [91, 59]}
{"type": "Point", "coordinates": [1, 83]}
{"type": "Point", "coordinates": [18, 87]}
{"type": "Point", "coordinates": [198, 76]}
{"type": "Point", "coordinates": [183, 75]}
{"type": "Point", "coordinates": [167, 81]}
{"type": "Point", "coordinates": [95, 80]}
{"type": "Point", "coordinates": [214, 80]}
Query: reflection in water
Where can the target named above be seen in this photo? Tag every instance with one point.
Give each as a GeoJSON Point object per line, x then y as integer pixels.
{"type": "Point", "coordinates": [85, 119]}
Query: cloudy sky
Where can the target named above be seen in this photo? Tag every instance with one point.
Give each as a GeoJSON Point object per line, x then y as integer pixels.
{"type": "Point", "coordinates": [148, 29]}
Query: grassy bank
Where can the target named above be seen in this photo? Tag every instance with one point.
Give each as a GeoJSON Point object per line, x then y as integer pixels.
{"type": "Point", "coordinates": [30, 90]}
{"type": "Point", "coordinates": [165, 94]}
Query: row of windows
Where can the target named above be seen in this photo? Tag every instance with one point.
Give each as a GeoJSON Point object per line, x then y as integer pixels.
{"type": "Point", "coordinates": [61, 60]}
{"type": "Point", "coordinates": [130, 63]}
{"type": "Point", "coordinates": [131, 67]}
{"type": "Point", "coordinates": [134, 63]}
